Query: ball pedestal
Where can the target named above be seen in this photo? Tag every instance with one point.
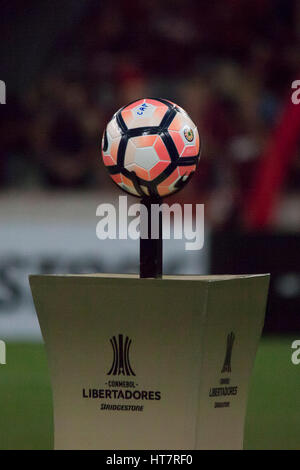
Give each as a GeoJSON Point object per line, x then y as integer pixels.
{"type": "Point", "coordinates": [150, 363]}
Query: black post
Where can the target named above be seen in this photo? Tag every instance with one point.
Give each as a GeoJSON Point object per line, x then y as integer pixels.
{"type": "Point", "coordinates": [151, 249]}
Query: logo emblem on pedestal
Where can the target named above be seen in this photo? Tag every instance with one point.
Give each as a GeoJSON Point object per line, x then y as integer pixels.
{"type": "Point", "coordinates": [227, 361]}
{"type": "Point", "coordinates": [121, 363]}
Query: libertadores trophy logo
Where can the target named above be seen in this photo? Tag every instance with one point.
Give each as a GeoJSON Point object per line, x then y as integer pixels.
{"type": "Point", "coordinates": [227, 361]}
{"type": "Point", "coordinates": [121, 363]}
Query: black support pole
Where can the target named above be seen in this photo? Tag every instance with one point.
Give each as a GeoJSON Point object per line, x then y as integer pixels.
{"type": "Point", "coordinates": [150, 249]}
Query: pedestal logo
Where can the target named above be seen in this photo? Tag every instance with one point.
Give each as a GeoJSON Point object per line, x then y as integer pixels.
{"type": "Point", "coordinates": [227, 361]}
{"type": "Point", "coordinates": [121, 363]}
{"type": "Point", "coordinates": [225, 391]}
{"type": "Point", "coordinates": [121, 394]}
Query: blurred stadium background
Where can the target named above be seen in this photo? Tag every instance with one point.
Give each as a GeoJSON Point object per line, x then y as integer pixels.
{"type": "Point", "coordinates": [68, 67]}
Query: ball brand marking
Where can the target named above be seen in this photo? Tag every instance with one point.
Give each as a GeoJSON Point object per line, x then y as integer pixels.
{"type": "Point", "coordinates": [188, 134]}
{"type": "Point", "coordinates": [151, 148]}
{"type": "Point", "coordinates": [142, 109]}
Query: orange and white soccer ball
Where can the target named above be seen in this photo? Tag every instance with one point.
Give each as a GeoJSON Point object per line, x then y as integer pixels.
{"type": "Point", "coordinates": [151, 147]}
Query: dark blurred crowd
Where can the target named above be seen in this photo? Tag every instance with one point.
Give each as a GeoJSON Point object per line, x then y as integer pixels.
{"type": "Point", "coordinates": [229, 63]}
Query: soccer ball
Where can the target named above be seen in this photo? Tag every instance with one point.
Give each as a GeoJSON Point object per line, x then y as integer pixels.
{"type": "Point", "coordinates": [151, 147]}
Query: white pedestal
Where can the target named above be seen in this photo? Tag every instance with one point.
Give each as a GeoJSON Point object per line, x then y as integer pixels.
{"type": "Point", "coordinates": [150, 363]}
